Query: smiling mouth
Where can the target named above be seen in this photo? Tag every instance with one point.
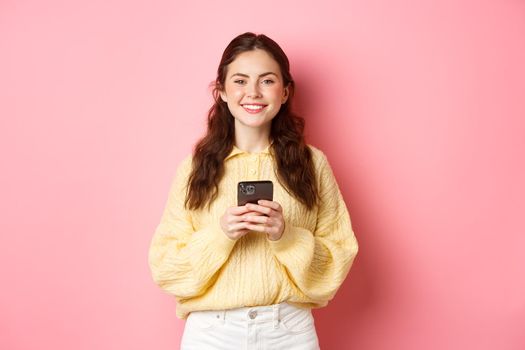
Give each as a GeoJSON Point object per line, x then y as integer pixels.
{"type": "Point", "coordinates": [253, 108]}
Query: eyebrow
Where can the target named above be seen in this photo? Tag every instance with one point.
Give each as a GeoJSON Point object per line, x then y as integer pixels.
{"type": "Point", "coordinates": [247, 76]}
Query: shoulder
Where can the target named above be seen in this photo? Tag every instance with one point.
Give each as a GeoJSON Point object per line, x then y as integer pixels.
{"type": "Point", "coordinates": [186, 160]}
{"type": "Point", "coordinates": [318, 156]}
{"type": "Point", "coordinates": [184, 166]}
{"type": "Point", "coordinates": [323, 169]}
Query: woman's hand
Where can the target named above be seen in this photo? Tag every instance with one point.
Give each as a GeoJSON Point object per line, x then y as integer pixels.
{"type": "Point", "coordinates": [266, 217]}
{"type": "Point", "coordinates": [232, 222]}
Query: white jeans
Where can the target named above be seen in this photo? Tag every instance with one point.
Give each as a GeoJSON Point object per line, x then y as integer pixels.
{"type": "Point", "coordinates": [273, 327]}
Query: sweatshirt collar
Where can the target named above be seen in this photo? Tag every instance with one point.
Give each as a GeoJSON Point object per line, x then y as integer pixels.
{"type": "Point", "coordinates": [235, 151]}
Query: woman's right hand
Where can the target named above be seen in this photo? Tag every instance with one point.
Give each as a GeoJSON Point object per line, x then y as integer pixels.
{"type": "Point", "coordinates": [232, 221]}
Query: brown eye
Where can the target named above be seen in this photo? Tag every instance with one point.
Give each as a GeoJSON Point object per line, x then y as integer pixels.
{"type": "Point", "coordinates": [239, 81]}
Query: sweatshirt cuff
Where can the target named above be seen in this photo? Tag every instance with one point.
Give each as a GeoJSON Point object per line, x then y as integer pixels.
{"type": "Point", "coordinates": [211, 241]}
{"type": "Point", "coordinates": [220, 241]}
{"type": "Point", "coordinates": [293, 238]}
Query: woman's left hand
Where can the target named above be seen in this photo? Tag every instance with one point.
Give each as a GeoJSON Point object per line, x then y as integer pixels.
{"type": "Point", "coordinates": [267, 217]}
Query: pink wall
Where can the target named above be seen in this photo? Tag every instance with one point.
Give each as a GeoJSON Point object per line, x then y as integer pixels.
{"type": "Point", "coordinates": [419, 106]}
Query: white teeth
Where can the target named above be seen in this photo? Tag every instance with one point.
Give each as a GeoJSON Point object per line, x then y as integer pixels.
{"type": "Point", "coordinates": [254, 107]}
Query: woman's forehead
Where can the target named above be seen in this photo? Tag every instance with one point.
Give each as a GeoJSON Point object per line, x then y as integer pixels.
{"type": "Point", "coordinates": [254, 62]}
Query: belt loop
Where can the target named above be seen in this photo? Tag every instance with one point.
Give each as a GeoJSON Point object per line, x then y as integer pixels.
{"type": "Point", "coordinates": [275, 316]}
{"type": "Point", "coordinates": [221, 315]}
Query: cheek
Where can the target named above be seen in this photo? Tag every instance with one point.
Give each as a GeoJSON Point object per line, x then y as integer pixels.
{"type": "Point", "coordinates": [234, 92]}
{"type": "Point", "coordinates": [275, 91]}
{"type": "Point", "coordinates": [235, 97]}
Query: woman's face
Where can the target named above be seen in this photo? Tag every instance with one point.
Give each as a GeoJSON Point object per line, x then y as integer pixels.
{"type": "Point", "coordinates": [254, 89]}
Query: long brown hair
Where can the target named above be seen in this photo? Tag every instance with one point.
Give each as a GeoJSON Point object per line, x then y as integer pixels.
{"type": "Point", "coordinates": [293, 158]}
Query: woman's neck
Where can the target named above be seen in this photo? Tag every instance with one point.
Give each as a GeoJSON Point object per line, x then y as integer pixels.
{"type": "Point", "coordinates": [252, 140]}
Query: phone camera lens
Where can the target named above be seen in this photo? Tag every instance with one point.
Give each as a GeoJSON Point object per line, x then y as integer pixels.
{"type": "Point", "coordinates": [250, 189]}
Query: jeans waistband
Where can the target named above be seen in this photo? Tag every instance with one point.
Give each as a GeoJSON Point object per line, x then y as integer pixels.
{"type": "Point", "coordinates": [255, 314]}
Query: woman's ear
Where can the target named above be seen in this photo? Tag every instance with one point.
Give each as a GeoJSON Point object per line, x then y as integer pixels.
{"type": "Point", "coordinates": [286, 93]}
{"type": "Point", "coordinates": [223, 96]}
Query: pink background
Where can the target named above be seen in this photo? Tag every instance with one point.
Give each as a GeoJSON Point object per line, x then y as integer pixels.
{"type": "Point", "coordinates": [419, 106]}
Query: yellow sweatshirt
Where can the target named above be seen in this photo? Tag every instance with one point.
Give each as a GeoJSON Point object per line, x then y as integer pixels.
{"type": "Point", "coordinates": [192, 259]}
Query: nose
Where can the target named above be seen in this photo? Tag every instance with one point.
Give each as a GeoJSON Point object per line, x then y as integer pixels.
{"type": "Point", "coordinates": [253, 90]}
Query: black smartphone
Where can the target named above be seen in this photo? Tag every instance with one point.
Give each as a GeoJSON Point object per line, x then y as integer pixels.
{"type": "Point", "coordinates": [252, 191]}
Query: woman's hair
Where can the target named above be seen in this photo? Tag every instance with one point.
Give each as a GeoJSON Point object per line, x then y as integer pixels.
{"type": "Point", "coordinates": [293, 158]}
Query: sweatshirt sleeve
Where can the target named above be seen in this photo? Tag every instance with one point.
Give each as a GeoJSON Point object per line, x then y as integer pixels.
{"type": "Point", "coordinates": [318, 262]}
{"type": "Point", "coordinates": [184, 262]}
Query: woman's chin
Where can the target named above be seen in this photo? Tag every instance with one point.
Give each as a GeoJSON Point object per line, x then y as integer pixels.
{"type": "Point", "coordinates": [253, 123]}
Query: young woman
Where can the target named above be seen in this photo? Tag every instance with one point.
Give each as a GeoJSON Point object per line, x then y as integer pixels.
{"type": "Point", "coordinates": [246, 277]}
